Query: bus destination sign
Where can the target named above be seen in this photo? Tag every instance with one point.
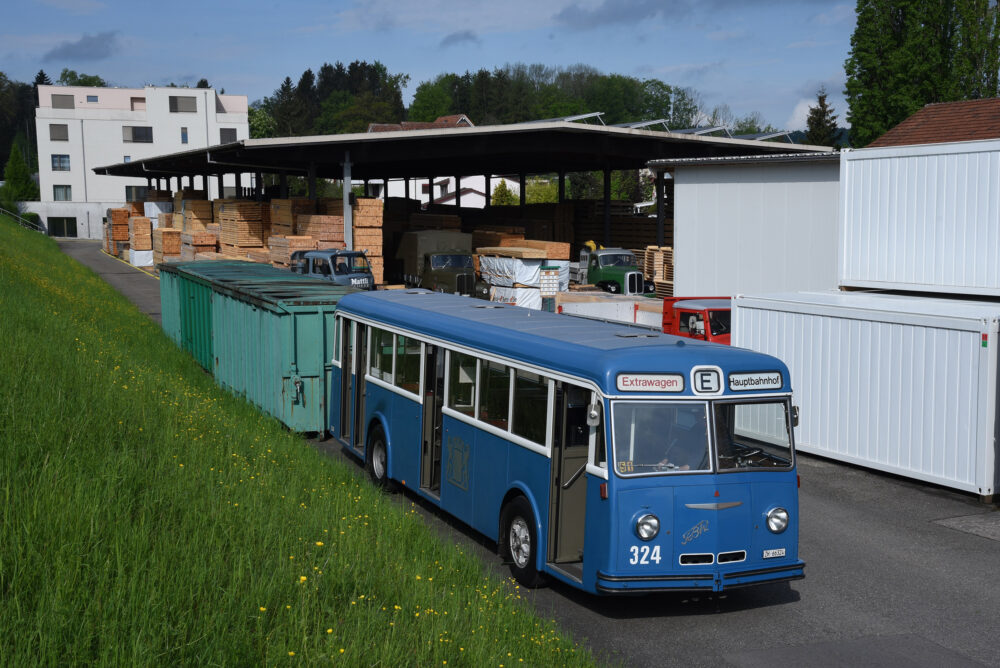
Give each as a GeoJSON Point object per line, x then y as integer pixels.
{"type": "Point", "coordinates": [650, 382]}
{"type": "Point", "coordinates": [746, 382]}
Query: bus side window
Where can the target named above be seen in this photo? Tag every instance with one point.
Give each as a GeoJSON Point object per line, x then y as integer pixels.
{"type": "Point", "coordinates": [494, 394]}
{"type": "Point", "coordinates": [381, 354]}
{"type": "Point", "coordinates": [531, 403]}
{"type": "Point", "coordinates": [462, 383]}
{"type": "Point", "coordinates": [338, 323]}
{"type": "Point", "coordinates": [408, 354]}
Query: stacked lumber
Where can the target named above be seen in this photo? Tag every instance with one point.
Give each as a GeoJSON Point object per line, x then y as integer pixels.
{"type": "Point", "coordinates": [186, 193]}
{"type": "Point", "coordinates": [656, 262]}
{"type": "Point", "coordinates": [261, 255]}
{"type": "Point", "coordinates": [519, 252]}
{"type": "Point", "coordinates": [193, 243]}
{"type": "Point", "coordinates": [119, 225]}
{"type": "Point", "coordinates": [140, 231]}
{"type": "Point", "coordinates": [434, 221]}
{"type": "Point", "coordinates": [212, 255]}
{"type": "Point", "coordinates": [284, 211]}
{"type": "Point", "coordinates": [155, 195]}
{"type": "Point", "coordinates": [135, 208]}
{"type": "Point", "coordinates": [321, 227]}
{"type": "Point", "coordinates": [109, 243]}
{"type": "Point", "coordinates": [367, 231]}
{"type": "Point", "coordinates": [241, 224]}
{"type": "Point", "coordinates": [197, 214]}
{"type": "Point", "coordinates": [329, 206]}
{"type": "Point", "coordinates": [164, 220]}
{"type": "Point", "coordinates": [177, 220]}
{"type": "Point", "coordinates": [554, 250]}
{"type": "Point", "coordinates": [282, 247]}
{"type": "Point", "coordinates": [330, 245]}
{"type": "Point", "coordinates": [166, 245]}
{"type": "Point", "coordinates": [495, 236]}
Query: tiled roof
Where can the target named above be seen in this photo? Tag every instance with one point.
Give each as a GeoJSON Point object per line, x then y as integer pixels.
{"type": "Point", "coordinates": [455, 121]}
{"type": "Point", "coordinates": [968, 120]}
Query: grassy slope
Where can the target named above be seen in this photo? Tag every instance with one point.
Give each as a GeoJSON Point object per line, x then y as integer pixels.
{"type": "Point", "coordinates": [149, 517]}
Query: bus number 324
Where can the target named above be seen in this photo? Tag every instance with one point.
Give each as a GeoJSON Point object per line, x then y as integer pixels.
{"type": "Point", "coordinates": [643, 554]}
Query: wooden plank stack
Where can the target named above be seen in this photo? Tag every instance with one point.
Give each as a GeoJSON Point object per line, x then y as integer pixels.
{"type": "Point", "coordinates": [186, 193]}
{"type": "Point", "coordinates": [284, 212]}
{"type": "Point", "coordinates": [321, 227]}
{"type": "Point", "coordinates": [164, 220]}
{"type": "Point", "coordinates": [242, 225]}
{"type": "Point", "coordinates": [197, 214]}
{"type": "Point", "coordinates": [193, 243]}
{"type": "Point", "coordinates": [368, 234]}
{"type": "Point", "coordinates": [119, 225]}
{"type": "Point", "coordinates": [166, 245]}
{"type": "Point", "coordinates": [495, 235]}
{"type": "Point", "coordinates": [261, 255]}
{"type": "Point", "coordinates": [282, 248]}
{"type": "Point", "coordinates": [140, 231]}
{"type": "Point", "coordinates": [554, 250]}
{"type": "Point", "coordinates": [329, 206]}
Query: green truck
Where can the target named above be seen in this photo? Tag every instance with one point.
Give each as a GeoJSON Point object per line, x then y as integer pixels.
{"type": "Point", "coordinates": [614, 270]}
{"type": "Point", "coordinates": [439, 260]}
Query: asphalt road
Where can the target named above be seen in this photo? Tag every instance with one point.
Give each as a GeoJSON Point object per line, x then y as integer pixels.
{"type": "Point", "coordinates": [898, 573]}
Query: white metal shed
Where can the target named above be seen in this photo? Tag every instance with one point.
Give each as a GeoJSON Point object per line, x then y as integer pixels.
{"type": "Point", "coordinates": [922, 218]}
{"type": "Point", "coordinates": [906, 385]}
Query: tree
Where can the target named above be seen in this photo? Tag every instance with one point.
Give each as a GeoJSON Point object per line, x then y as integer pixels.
{"type": "Point", "coordinates": [70, 78]}
{"type": "Point", "coordinates": [821, 125]}
{"type": "Point", "coordinates": [504, 196]}
{"type": "Point", "coordinates": [431, 100]}
{"type": "Point", "coordinates": [262, 125]}
{"type": "Point", "coordinates": [541, 191]}
{"type": "Point", "coordinates": [202, 83]}
{"type": "Point", "coordinates": [18, 185]}
{"type": "Point", "coordinates": [906, 54]}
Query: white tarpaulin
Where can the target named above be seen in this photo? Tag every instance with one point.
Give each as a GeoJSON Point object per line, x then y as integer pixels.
{"type": "Point", "coordinates": [152, 209]}
{"type": "Point", "coordinates": [140, 258]}
{"type": "Point", "coordinates": [523, 297]}
{"type": "Point", "coordinates": [508, 271]}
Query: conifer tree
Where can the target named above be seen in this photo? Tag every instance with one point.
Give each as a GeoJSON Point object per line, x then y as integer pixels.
{"type": "Point", "coordinates": [821, 125]}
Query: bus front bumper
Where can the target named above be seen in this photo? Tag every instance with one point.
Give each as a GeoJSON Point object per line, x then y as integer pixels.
{"type": "Point", "coordinates": [701, 582]}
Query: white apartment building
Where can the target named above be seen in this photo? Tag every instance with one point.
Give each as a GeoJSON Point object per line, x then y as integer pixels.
{"type": "Point", "coordinates": [80, 128]}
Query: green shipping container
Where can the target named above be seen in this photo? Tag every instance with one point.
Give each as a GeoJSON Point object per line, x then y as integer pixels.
{"type": "Point", "coordinates": [264, 333]}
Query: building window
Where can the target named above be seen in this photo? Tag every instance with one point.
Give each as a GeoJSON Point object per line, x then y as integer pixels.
{"type": "Point", "coordinates": [227, 135]}
{"type": "Point", "coordinates": [63, 102]}
{"type": "Point", "coordinates": [137, 134]}
{"type": "Point", "coordinates": [58, 132]}
{"type": "Point", "coordinates": [62, 193]}
{"type": "Point", "coordinates": [138, 103]}
{"type": "Point", "coordinates": [60, 163]}
{"type": "Point", "coordinates": [127, 158]}
{"type": "Point", "coordinates": [61, 227]}
{"type": "Point", "coordinates": [183, 104]}
{"type": "Point", "coordinates": [135, 193]}
{"type": "Point", "coordinates": [184, 135]}
{"type": "Point", "coordinates": [91, 98]}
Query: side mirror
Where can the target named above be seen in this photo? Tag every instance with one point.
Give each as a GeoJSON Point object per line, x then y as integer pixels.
{"type": "Point", "coordinates": [594, 415]}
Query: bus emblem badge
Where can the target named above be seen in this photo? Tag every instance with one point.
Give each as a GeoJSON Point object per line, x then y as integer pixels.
{"type": "Point", "coordinates": [695, 531]}
{"type": "Point", "coordinates": [458, 463]}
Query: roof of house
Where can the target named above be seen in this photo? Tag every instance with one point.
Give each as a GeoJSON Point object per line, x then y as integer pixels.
{"type": "Point", "coordinates": [967, 120]}
{"type": "Point", "coordinates": [453, 121]}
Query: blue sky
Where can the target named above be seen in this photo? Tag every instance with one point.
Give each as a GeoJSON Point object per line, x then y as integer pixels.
{"type": "Point", "coordinates": [769, 56]}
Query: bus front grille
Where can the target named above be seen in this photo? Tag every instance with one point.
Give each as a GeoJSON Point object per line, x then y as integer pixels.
{"type": "Point", "coordinates": [697, 559]}
{"type": "Point", "coordinates": [732, 557]}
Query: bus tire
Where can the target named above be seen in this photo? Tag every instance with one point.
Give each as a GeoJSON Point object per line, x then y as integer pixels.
{"type": "Point", "coordinates": [377, 461]}
{"type": "Point", "coordinates": [519, 542]}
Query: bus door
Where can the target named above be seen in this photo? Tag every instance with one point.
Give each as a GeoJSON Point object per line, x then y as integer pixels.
{"type": "Point", "coordinates": [430, 457]}
{"type": "Point", "coordinates": [360, 366]}
{"type": "Point", "coordinates": [346, 378]}
{"type": "Point", "coordinates": [570, 448]}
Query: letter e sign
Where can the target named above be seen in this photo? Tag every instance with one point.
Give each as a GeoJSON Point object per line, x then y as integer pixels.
{"type": "Point", "coordinates": [707, 381]}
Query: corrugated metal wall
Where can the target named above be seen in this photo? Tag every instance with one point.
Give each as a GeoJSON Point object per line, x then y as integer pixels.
{"type": "Point", "coordinates": [755, 228]}
{"type": "Point", "coordinates": [922, 218]}
{"type": "Point", "coordinates": [876, 390]}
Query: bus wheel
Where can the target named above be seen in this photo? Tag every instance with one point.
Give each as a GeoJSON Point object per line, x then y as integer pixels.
{"type": "Point", "coordinates": [519, 542]}
{"type": "Point", "coordinates": [377, 462]}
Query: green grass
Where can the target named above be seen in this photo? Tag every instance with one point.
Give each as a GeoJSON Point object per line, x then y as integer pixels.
{"type": "Point", "coordinates": [151, 518]}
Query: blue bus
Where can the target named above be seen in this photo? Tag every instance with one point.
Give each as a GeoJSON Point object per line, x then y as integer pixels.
{"type": "Point", "coordinates": [613, 458]}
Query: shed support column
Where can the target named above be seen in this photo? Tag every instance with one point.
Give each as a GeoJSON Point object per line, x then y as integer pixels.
{"type": "Point", "coordinates": [312, 180]}
{"type": "Point", "coordinates": [523, 195]}
{"type": "Point", "coordinates": [283, 184]}
{"type": "Point", "coordinates": [385, 189]}
{"type": "Point", "coordinates": [259, 186]}
{"type": "Point", "coordinates": [487, 190]}
{"type": "Point", "coordinates": [221, 178]}
{"type": "Point", "coordinates": [348, 220]}
{"type": "Point", "coordinates": [406, 187]}
{"type": "Point", "coordinates": [458, 191]}
{"type": "Point", "coordinates": [562, 187]}
{"type": "Point", "coordinates": [661, 207]}
{"type": "Point", "coordinates": [607, 207]}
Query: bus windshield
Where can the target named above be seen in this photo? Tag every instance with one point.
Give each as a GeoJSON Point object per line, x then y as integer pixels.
{"type": "Point", "coordinates": [753, 436]}
{"type": "Point", "coordinates": [660, 436]}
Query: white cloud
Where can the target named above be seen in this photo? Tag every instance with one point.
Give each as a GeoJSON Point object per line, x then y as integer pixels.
{"type": "Point", "coordinates": [797, 121]}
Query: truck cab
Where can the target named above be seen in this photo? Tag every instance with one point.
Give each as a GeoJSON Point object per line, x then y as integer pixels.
{"type": "Point", "coordinates": [615, 270]}
{"type": "Point", "coordinates": [705, 318]}
{"type": "Point", "coordinates": [340, 267]}
{"type": "Point", "coordinates": [438, 260]}
{"type": "Point", "coordinates": [449, 271]}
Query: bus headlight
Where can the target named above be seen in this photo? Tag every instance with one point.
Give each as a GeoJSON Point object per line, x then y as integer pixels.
{"type": "Point", "coordinates": [777, 520]}
{"type": "Point", "coordinates": [647, 526]}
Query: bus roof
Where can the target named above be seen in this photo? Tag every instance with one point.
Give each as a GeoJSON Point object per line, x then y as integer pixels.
{"type": "Point", "coordinates": [597, 351]}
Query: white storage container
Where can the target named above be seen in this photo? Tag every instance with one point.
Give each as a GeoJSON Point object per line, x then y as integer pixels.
{"type": "Point", "coordinates": [923, 218]}
{"type": "Point", "coordinates": [906, 385]}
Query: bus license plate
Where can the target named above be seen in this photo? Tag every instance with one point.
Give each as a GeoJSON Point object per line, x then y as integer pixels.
{"type": "Point", "coordinates": [771, 554]}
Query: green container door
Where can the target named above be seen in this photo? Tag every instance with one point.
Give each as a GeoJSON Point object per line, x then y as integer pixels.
{"type": "Point", "coordinates": [196, 321]}
{"type": "Point", "coordinates": [170, 305]}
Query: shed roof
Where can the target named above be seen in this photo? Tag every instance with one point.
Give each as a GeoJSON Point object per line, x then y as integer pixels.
{"type": "Point", "coordinates": [967, 120]}
{"type": "Point", "coordinates": [557, 146]}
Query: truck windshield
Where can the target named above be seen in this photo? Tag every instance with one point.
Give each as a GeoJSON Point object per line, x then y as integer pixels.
{"type": "Point", "coordinates": [451, 261]}
{"type": "Point", "coordinates": [719, 322]}
{"type": "Point", "coordinates": [660, 436]}
{"type": "Point", "coordinates": [358, 264]}
{"type": "Point", "coordinates": [617, 260]}
{"type": "Point", "coordinates": [753, 435]}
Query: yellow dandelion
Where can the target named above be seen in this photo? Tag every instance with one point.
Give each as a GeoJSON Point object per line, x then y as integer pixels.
{"type": "Point", "coordinates": [302, 578]}
{"type": "Point", "coordinates": [319, 543]}
{"type": "Point", "coordinates": [263, 609]}
{"type": "Point", "coordinates": [329, 630]}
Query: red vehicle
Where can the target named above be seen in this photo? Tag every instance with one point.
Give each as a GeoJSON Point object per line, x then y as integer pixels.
{"type": "Point", "coordinates": [705, 318]}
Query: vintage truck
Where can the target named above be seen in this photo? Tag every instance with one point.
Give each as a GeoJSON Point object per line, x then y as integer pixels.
{"type": "Point", "coordinates": [340, 267]}
{"type": "Point", "coordinates": [614, 270]}
{"type": "Point", "coordinates": [705, 318]}
{"type": "Point", "coordinates": [439, 260]}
